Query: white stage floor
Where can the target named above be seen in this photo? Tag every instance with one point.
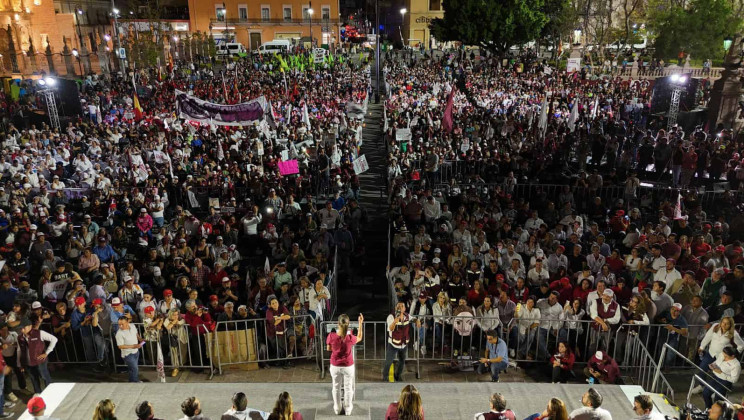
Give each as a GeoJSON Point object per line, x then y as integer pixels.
{"type": "Point", "coordinates": [445, 401]}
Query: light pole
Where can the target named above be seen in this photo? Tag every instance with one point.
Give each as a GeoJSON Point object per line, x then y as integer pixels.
{"type": "Point", "coordinates": [310, 14]}
{"type": "Point", "coordinates": [402, 22]}
{"type": "Point", "coordinates": [678, 84]}
{"type": "Point", "coordinates": [122, 63]}
{"type": "Point", "coordinates": [77, 20]}
{"type": "Point", "coordinates": [76, 53]}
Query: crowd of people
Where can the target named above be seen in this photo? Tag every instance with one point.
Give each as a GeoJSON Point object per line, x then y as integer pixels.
{"type": "Point", "coordinates": [131, 229]}
{"type": "Point", "coordinates": [560, 274]}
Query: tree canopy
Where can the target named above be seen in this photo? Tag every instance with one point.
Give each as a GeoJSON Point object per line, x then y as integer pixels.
{"type": "Point", "coordinates": [697, 27]}
{"type": "Point", "coordinates": [494, 25]}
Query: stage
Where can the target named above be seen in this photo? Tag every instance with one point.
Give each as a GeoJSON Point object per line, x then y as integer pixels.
{"type": "Point", "coordinates": [441, 400]}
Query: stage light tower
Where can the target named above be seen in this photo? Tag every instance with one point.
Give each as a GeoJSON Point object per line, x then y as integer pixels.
{"type": "Point", "coordinates": [678, 85]}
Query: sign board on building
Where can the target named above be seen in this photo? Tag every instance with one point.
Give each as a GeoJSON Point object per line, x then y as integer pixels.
{"type": "Point", "coordinates": [122, 53]}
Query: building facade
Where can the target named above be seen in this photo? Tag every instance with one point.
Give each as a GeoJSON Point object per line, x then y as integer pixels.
{"type": "Point", "coordinates": [416, 22]}
{"type": "Point", "coordinates": [254, 23]}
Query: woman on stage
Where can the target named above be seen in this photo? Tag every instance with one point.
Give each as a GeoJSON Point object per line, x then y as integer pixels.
{"type": "Point", "coordinates": [341, 345]}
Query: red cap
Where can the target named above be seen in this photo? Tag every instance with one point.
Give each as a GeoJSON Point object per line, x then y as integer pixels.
{"type": "Point", "coordinates": [149, 309]}
{"type": "Point", "coordinates": [79, 301]}
{"type": "Point", "coordinates": [721, 248]}
{"type": "Point", "coordinates": [36, 405]}
{"type": "Point", "coordinates": [167, 292]}
{"type": "Point", "coordinates": [98, 302]}
{"type": "Point", "coordinates": [213, 298]}
{"type": "Point", "coordinates": [499, 277]}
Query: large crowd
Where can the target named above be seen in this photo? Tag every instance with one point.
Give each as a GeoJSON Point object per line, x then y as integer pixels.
{"type": "Point", "coordinates": [132, 215]}
{"type": "Point", "coordinates": [560, 274]}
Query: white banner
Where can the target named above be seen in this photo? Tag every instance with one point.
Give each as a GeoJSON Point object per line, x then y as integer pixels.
{"type": "Point", "coordinates": [403, 134]}
{"type": "Point", "coordinates": [360, 165]}
{"type": "Point", "coordinates": [574, 64]}
{"type": "Point", "coordinates": [55, 288]}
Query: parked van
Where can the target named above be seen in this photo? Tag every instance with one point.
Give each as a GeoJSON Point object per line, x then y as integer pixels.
{"type": "Point", "coordinates": [230, 49]}
{"type": "Point", "coordinates": [276, 46]}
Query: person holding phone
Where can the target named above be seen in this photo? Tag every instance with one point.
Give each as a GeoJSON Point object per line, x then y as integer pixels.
{"type": "Point", "coordinates": [129, 342]}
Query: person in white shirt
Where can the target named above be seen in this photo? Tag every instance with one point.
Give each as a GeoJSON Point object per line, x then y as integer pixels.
{"type": "Point", "coordinates": [550, 313]}
{"type": "Point", "coordinates": [668, 274]}
{"type": "Point", "coordinates": [538, 275]}
{"type": "Point", "coordinates": [717, 337]}
{"type": "Point", "coordinates": [240, 410]}
{"type": "Point", "coordinates": [592, 400]}
{"type": "Point", "coordinates": [606, 315]}
{"type": "Point", "coordinates": [529, 320]}
{"type": "Point", "coordinates": [129, 342]}
{"type": "Point", "coordinates": [726, 370]}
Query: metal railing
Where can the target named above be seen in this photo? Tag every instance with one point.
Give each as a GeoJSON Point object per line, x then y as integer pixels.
{"type": "Point", "coordinates": [81, 346]}
{"type": "Point", "coordinates": [645, 370]}
{"type": "Point", "coordinates": [373, 347]}
{"type": "Point", "coordinates": [180, 348]}
{"type": "Point", "coordinates": [242, 342]}
{"type": "Point", "coordinates": [332, 286]}
{"type": "Point", "coordinates": [697, 379]}
{"type": "Point", "coordinates": [686, 363]}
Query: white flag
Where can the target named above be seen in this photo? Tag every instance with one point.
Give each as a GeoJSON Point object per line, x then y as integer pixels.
{"type": "Point", "coordinates": [306, 117]}
{"type": "Point", "coordinates": [267, 266]}
{"type": "Point", "coordinates": [574, 116]}
{"type": "Point", "coordinates": [543, 121]}
{"type": "Point", "coordinates": [160, 367]}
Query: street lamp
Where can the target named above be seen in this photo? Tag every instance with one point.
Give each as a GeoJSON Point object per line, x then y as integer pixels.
{"type": "Point", "coordinates": [119, 50]}
{"type": "Point", "coordinates": [79, 12]}
{"type": "Point", "coordinates": [310, 12]}
{"type": "Point", "coordinates": [402, 22]}
{"type": "Point", "coordinates": [76, 54]}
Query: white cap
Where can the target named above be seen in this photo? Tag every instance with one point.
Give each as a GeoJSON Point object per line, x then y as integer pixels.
{"type": "Point", "coordinates": [36, 305]}
{"type": "Point", "coordinates": [598, 355]}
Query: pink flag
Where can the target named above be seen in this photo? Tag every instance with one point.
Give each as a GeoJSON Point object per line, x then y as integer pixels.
{"type": "Point", "coordinates": [678, 207]}
{"type": "Point", "coordinates": [447, 121]}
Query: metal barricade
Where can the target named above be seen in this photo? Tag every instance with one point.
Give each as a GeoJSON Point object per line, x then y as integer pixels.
{"type": "Point", "coordinates": [179, 348]}
{"type": "Point", "coordinates": [645, 368]}
{"type": "Point", "coordinates": [708, 377]}
{"type": "Point", "coordinates": [373, 347]}
{"type": "Point", "coordinates": [80, 345]}
{"type": "Point", "coordinates": [332, 286]}
{"type": "Point", "coordinates": [702, 382]}
{"type": "Point", "coordinates": [242, 342]}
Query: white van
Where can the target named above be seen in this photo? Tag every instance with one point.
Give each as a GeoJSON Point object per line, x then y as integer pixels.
{"type": "Point", "coordinates": [276, 46]}
{"type": "Point", "coordinates": [230, 49]}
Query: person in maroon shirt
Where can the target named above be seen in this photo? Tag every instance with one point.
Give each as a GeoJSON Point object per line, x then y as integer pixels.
{"type": "Point", "coordinates": [562, 363]}
{"type": "Point", "coordinates": [408, 406]}
{"type": "Point", "coordinates": [341, 345]}
{"type": "Point", "coordinates": [276, 327]}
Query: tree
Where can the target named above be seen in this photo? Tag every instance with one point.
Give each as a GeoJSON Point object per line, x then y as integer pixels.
{"type": "Point", "coordinates": [491, 24]}
{"type": "Point", "coordinates": [562, 19]}
{"type": "Point", "coordinates": [697, 28]}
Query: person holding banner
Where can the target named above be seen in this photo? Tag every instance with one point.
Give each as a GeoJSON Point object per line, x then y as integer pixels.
{"type": "Point", "coordinates": [341, 345]}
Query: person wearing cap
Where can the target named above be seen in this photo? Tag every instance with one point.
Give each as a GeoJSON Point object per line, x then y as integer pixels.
{"type": "Point", "coordinates": [168, 303]}
{"type": "Point", "coordinates": [726, 370]}
{"type": "Point", "coordinates": [421, 311]}
{"type": "Point", "coordinates": [131, 294]}
{"type": "Point", "coordinates": [129, 342]}
{"type": "Point", "coordinates": [280, 275]}
{"type": "Point", "coordinates": [602, 369]}
{"type": "Point", "coordinates": [676, 326]}
{"type": "Point", "coordinates": [36, 408]}
{"type": "Point", "coordinates": [40, 247]}
{"type": "Point", "coordinates": [105, 252]}
{"type": "Point", "coordinates": [605, 312]}
{"type": "Point", "coordinates": [712, 288]}
{"type": "Point", "coordinates": [717, 259]}
{"type": "Point", "coordinates": [86, 323]}
{"type": "Point", "coordinates": [34, 351]}
{"type": "Point", "coordinates": [119, 310]}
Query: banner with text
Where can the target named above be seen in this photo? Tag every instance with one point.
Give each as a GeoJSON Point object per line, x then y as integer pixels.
{"type": "Point", "coordinates": [195, 109]}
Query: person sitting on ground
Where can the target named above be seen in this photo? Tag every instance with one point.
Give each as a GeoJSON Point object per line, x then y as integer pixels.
{"type": "Point", "coordinates": [592, 400]}
{"type": "Point", "coordinates": [240, 410]}
{"type": "Point", "coordinates": [408, 407]}
{"type": "Point", "coordinates": [144, 411]}
{"type": "Point", "coordinates": [602, 368]}
{"type": "Point", "coordinates": [283, 409]}
{"type": "Point", "coordinates": [497, 357]}
{"type": "Point", "coordinates": [36, 408]}
{"type": "Point", "coordinates": [105, 410]}
{"type": "Point", "coordinates": [562, 363]}
{"type": "Point", "coordinates": [498, 410]}
{"type": "Point", "coordinates": [556, 410]}
{"type": "Point", "coordinates": [191, 408]}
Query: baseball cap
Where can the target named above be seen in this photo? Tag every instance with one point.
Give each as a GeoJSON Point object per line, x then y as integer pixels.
{"type": "Point", "coordinates": [36, 405]}
{"type": "Point", "coordinates": [167, 292]}
{"type": "Point", "coordinates": [115, 301]}
{"type": "Point", "coordinates": [97, 302]}
{"type": "Point", "coordinates": [677, 306]}
{"type": "Point", "coordinates": [225, 279]}
{"type": "Point", "coordinates": [423, 295]}
{"type": "Point", "coordinates": [598, 355]}
{"type": "Point", "coordinates": [36, 305]}
{"type": "Point", "coordinates": [79, 301]}
{"type": "Point", "coordinates": [437, 251]}
{"type": "Point", "coordinates": [436, 260]}
{"type": "Point", "coordinates": [213, 298]}
{"type": "Point", "coordinates": [149, 309]}
{"type": "Point", "coordinates": [608, 292]}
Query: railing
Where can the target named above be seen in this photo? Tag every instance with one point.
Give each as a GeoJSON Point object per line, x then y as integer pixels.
{"type": "Point", "coordinates": [373, 347]}
{"type": "Point", "coordinates": [245, 342]}
{"type": "Point", "coordinates": [392, 297]}
{"type": "Point", "coordinates": [645, 370]}
{"type": "Point", "coordinates": [219, 24]}
{"type": "Point", "coordinates": [74, 347]}
{"type": "Point", "coordinates": [180, 348]}
{"type": "Point", "coordinates": [686, 363]}
{"type": "Point", "coordinates": [704, 384]}
{"type": "Point", "coordinates": [332, 286]}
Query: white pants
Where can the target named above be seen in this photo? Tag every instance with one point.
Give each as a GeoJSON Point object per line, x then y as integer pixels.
{"type": "Point", "coordinates": [345, 373]}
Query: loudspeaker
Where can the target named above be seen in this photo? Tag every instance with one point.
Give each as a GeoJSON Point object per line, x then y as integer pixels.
{"type": "Point", "coordinates": [661, 98]}
{"type": "Point", "coordinates": [68, 98]}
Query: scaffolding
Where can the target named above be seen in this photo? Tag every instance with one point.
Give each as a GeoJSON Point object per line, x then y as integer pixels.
{"type": "Point", "coordinates": [51, 103]}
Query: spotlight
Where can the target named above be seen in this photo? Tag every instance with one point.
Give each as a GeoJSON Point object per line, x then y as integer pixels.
{"type": "Point", "coordinates": [675, 78]}
{"type": "Point", "coordinates": [41, 82]}
{"type": "Point", "coordinates": [50, 81]}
